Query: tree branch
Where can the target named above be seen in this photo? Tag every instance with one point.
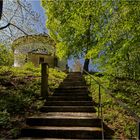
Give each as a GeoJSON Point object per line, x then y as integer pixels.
{"type": "Point", "coordinates": [1, 28]}
{"type": "Point", "coordinates": [19, 28]}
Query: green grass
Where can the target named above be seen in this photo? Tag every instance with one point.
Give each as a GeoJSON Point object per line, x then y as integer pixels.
{"type": "Point", "coordinates": [20, 95]}
{"type": "Point", "coordinates": [114, 116]}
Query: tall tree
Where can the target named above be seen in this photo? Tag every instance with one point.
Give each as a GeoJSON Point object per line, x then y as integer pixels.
{"type": "Point", "coordinates": [73, 25]}
{"type": "Point", "coordinates": [118, 50]}
{"type": "Point", "coordinates": [101, 30]}
{"type": "Point", "coordinates": [119, 41]}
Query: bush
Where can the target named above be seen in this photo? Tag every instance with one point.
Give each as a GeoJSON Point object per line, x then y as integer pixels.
{"type": "Point", "coordinates": [5, 70]}
{"type": "Point", "coordinates": [4, 119]}
{"type": "Point", "coordinates": [6, 56]}
{"type": "Point", "coordinates": [32, 69]}
{"type": "Point", "coordinates": [114, 115]}
{"type": "Point", "coordinates": [21, 98]}
{"type": "Point", "coordinates": [17, 104]}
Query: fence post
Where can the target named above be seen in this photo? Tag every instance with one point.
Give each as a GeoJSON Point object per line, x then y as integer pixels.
{"type": "Point", "coordinates": [44, 80]}
{"type": "Point", "coordinates": [139, 130]}
{"type": "Point", "coordinates": [90, 80]}
{"type": "Point", "coordinates": [99, 102]}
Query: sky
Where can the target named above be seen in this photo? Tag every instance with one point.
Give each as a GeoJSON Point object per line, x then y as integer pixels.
{"type": "Point", "coordinates": [36, 5]}
{"type": "Point", "coordinates": [10, 9]}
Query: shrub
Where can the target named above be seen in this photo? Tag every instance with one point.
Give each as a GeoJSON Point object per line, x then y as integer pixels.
{"type": "Point", "coordinates": [5, 70]}
{"type": "Point", "coordinates": [6, 56]}
{"type": "Point", "coordinates": [17, 104]}
{"type": "Point", "coordinates": [4, 119]}
{"type": "Point", "coordinates": [23, 98]}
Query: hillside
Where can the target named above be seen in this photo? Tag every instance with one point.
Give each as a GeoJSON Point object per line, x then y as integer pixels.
{"type": "Point", "coordinates": [20, 95]}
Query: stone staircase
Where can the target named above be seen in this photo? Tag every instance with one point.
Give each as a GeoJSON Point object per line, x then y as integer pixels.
{"type": "Point", "coordinates": [68, 114]}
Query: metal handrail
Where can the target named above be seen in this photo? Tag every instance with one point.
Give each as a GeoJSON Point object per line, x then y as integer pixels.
{"type": "Point", "coordinates": [107, 91]}
{"type": "Point", "coordinates": [133, 114]}
{"type": "Point", "coordinates": [100, 112]}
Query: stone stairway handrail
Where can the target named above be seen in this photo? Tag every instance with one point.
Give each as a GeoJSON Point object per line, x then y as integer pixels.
{"type": "Point", "coordinates": [122, 104]}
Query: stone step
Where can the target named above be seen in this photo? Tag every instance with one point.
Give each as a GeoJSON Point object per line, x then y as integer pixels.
{"type": "Point", "coordinates": [67, 109]}
{"type": "Point", "coordinates": [69, 98]}
{"type": "Point", "coordinates": [70, 103]}
{"type": "Point", "coordinates": [33, 138]}
{"type": "Point", "coordinates": [75, 115]}
{"type": "Point", "coordinates": [72, 84]}
{"type": "Point", "coordinates": [75, 73]}
{"type": "Point", "coordinates": [69, 90]}
{"type": "Point", "coordinates": [78, 75]}
{"type": "Point", "coordinates": [73, 96]}
{"type": "Point", "coordinates": [76, 80]}
{"type": "Point", "coordinates": [70, 94]}
{"type": "Point", "coordinates": [62, 132]}
{"type": "Point", "coordinates": [59, 121]}
{"type": "Point", "coordinates": [73, 87]}
{"type": "Point", "coordinates": [62, 89]}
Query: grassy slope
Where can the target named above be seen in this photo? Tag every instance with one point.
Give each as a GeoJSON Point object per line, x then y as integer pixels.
{"type": "Point", "coordinates": [20, 96]}
{"type": "Point", "coordinates": [115, 116]}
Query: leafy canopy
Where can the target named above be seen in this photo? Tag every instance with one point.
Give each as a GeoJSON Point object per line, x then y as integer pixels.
{"type": "Point", "coordinates": [6, 56]}
{"type": "Point", "coordinates": [73, 25]}
{"type": "Point", "coordinates": [106, 31]}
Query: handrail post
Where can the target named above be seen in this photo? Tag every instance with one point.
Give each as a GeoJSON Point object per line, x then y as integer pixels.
{"type": "Point", "coordinates": [99, 101]}
{"type": "Point", "coordinates": [44, 80]}
{"type": "Point", "coordinates": [100, 105]}
{"type": "Point", "coordinates": [90, 81]}
{"type": "Point", "coordinates": [138, 130]}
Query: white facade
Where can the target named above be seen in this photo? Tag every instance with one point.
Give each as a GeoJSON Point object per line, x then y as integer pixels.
{"type": "Point", "coordinates": [24, 45]}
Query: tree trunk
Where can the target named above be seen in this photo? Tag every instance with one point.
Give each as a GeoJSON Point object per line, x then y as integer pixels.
{"type": "Point", "coordinates": [1, 6]}
{"type": "Point", "coordinates": [88, 44]}
{"type": "Point", "coordinates": [86, 65]}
